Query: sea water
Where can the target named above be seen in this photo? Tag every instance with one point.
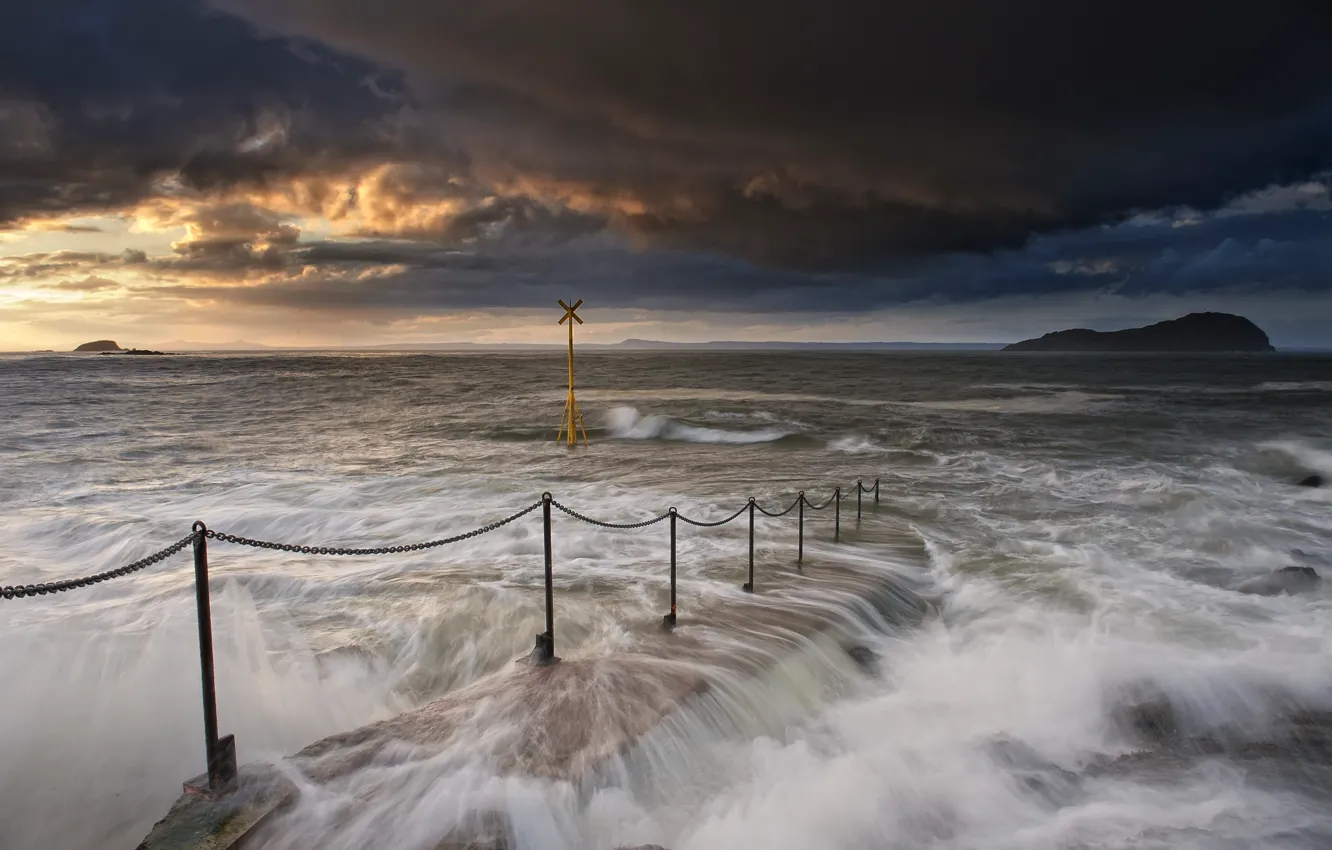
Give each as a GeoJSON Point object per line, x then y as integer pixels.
{"type": "Point", "coordinates": [1079, 525]}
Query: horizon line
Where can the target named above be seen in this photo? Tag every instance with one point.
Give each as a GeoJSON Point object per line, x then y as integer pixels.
{"type": "Point", "coordinates": [631, 342]}
{"type": "Point", "coordinates": [626, 345]}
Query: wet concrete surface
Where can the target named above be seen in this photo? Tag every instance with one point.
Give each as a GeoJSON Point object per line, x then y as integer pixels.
{"type": "Point", "coordinates": [567, 720]}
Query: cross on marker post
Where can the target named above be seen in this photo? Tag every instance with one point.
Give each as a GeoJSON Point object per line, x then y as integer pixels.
{"type": "Point", "coordinates": [572, 416]}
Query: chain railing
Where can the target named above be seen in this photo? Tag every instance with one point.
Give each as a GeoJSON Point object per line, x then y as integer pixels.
{"type": "Point", "coordinates": [19, 591]}
{"type": "Point", "coordinates": [220, 752]}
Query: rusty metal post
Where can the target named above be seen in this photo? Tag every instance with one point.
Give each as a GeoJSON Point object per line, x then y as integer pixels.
{"type": "Point", "coordinates": [876, 491]}
{"type": "Point", "coordinates": [544, 652]}
{"type": "Point", "coordinates": [837, 514]}
{"type": "Point", "coordinates": [800, 539]}
{"type": "Point", "coordinates": [669, 620]}
{"type": "Point", "coordinates": [860, 488]}
{"type": "Point", "coordinates": [220, 752]}
{"type": "Point", "coordinates": [749, 585]}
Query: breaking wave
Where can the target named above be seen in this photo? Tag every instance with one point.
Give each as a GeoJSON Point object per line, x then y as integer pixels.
{"type": "Point", "coordinates": [1058, 402]}
{"type": "Point", "coordinates": [855, 444]}
{"type": "Point", "coordinates": [1295, 386]}
{"type": "Point", "coordinates": [626, 423]}
{"type": "Point", "coordinates": [1292, 459]}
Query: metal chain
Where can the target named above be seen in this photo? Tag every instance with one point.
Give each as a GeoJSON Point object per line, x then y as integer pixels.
{"type": "Point", "coordinates": [814, 507]}
{"type": "Point", "coordinates": [702, 524]}
{"type": "Point", "coordinates": [624, 525]}
{"type": "Point", "coordinates": [19, 591]}
{"type": "Point", "coordinates": [22, 591]}
{"type": "Point", "coordinates": [383, 550]}
{"type": "Point", "coordinates": [779, 513]}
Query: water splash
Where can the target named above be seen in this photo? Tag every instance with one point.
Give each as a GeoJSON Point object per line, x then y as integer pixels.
{"type": "Point", "coordinates": [626, 423]}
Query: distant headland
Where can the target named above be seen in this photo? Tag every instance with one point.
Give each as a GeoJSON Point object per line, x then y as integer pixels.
{"type": "Point", "coordinates": [1196, 332]}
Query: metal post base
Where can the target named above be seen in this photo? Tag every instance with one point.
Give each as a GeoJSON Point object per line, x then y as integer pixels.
{"type": "Point", "coordinates": [747, 587]}
{"type": "Point", "coordinates": [220, 779]}
{"type": "Point", "coordinates": [542, 654]}
{"type": "Point", "coordinates": [668, 622]}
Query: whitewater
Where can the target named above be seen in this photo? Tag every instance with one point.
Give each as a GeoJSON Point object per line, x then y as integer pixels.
{"type": "Point", "coordinates": [1064, 537]}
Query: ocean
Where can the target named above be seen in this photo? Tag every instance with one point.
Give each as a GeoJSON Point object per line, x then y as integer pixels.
{"type": "Point", "coordinates": [1074, 530]}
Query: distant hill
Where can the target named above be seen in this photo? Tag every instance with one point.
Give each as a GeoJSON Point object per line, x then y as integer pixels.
{"type": "Point", "coordinates": [741, 345]}
{"type": "Point", "coordinates": [99, 345]}
{"type": "Point", "coordinates": [237, 345]}
{"type": "Point", "coordinates": [721, 345]}
{"type": "Point", "coordinates": [1196, 332]}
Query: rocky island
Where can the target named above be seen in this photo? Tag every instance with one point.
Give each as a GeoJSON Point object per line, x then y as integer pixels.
{"type": "Point", "coordinates": [109, 346]}
{"type": "Point", "coordinates": [1196, 332]}
{"type": "Point", "coordinates": [99, 345]}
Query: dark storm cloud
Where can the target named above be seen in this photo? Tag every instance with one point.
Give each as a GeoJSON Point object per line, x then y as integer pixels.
{"type": "Point", "coordinates": [231, 239]}
{"type": "Point", "coordinates": [789, 156]}
{"type": "Point", "coordinates": [812, 133]}
{"type": "Point", "coordinates": [51, 264]}
{"type": "Point", "coordinates": [511, 221]}
{"type": "Point", "coordinates": [1216, 255]}
{"type": "Point", "coordinates": [239, 253]}
{"type": "Point", "coordinates": [101, 100]}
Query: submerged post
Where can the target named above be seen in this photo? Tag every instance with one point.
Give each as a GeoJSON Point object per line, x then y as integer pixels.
{"type": "Point", "coordinates": [669, 620]}
{"type": "Point", "coordinates": [800, 539]}
{"type": "Point", "coordinates": [749, 585]}
{"type": "Point", "coordinates": [544, 652]}
{"type": "Point", "coordinates": [876, 491]}
{"type": "Point", "coordinates": [220, 752]}
{"type": "Point", "coordinates": [837, 514]}
{"type": "Point", "coordinates": [860, 488]}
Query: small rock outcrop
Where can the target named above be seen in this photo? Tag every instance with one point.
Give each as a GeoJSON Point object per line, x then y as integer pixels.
{"type": "Point", "coordinates": [866, 659]}
{"type": "Point", "coordinates": [1290, 580]}
{"type": "Point", "coordinates": [1147, 715]}
{"type": "Point", "coordinates": [1311, 481]}
{"type": "Point", "coordinates": [99, 345]}
{"type": "Point", "coordinates": [1047, 780]}
{"type": "Point", "coordinates": [1196, 332]}
{"type": "Point", "coordinates": [129, 351]}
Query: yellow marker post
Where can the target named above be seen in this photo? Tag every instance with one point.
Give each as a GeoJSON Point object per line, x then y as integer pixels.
{"type": "Point", "coordinates": [571, 414]}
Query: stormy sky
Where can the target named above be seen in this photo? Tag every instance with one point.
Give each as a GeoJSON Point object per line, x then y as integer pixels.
{"type": "Point", "coordinates": [311, 172]}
